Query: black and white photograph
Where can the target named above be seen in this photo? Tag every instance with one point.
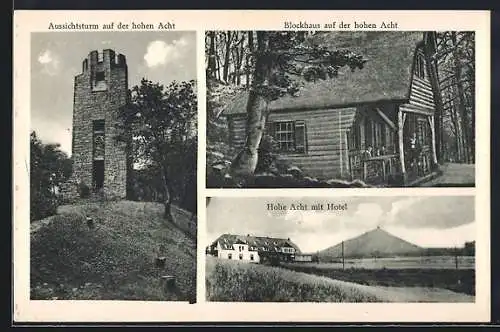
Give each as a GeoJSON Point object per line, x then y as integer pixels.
{"type": "Point", "coordinates": [113, 157]}
{"type": "Point", "coordinates": [306, 109]}
{"type": "Point", "coordinates": [341, 249]}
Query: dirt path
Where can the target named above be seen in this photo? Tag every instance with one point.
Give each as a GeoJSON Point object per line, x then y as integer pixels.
{"type": "Point", "coordinates": [454, 175]}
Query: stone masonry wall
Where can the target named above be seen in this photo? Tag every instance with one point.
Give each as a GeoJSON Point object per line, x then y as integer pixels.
{"type": "Point", "coordinates": [94, 103]}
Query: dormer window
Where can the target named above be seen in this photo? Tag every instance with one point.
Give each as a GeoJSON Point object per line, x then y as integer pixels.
{"type": "Point", "coordinates": [420, 66]}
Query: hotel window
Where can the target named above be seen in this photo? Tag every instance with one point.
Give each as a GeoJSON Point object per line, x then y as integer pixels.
{"type": "Point", "coordinates": [251, 257]}
{"type": "Point", "coordinates": [290, 136]}
{"type": "Point", "coordinates": [241, 256]}
{"type": "Point", "coordinates": [229, 256]}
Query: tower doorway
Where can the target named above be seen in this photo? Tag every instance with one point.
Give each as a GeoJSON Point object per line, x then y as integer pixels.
{"type": "Point", "coordinates": [98, 174]}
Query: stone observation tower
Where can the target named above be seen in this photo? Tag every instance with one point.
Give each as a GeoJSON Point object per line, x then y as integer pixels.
{"type": "Point", "coordinates": [99, 160]}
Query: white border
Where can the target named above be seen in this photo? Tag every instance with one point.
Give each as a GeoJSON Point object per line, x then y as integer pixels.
{"type": "Point", "coordinates": [25, 310]}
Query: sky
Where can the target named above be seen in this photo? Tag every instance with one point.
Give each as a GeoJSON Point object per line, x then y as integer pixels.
{"type": "Point", "coordinates": [56, 58]}
{"type": "Point", "coordinates": [431, 221]}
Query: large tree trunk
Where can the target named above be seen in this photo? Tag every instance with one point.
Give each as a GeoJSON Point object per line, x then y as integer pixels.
{"type": "Point", "coordinates": [456, 132]}
{"type": "Point", "coordinates": [472, 105]}
{"type": "Point", "coordinates": [434, 78]}
{"type": "Point", "coordinates": [461, 102]}
{"type": "Point", "coordinates": [240, 51]}
{"type": "Point", "coordinates": [212, 66]}
{"type": "Point", "coordinates": [217, 59]}
{"type": "Point", "coordinates": [167, 196]}
{"type": "Point", "coordinates": [246, 161]}
{"type": "Point", "coordinates": [249, 56]}
{"type": "Point", "coordinates": [225, 67]}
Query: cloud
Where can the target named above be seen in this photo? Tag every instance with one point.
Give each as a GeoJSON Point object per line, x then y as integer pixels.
{"type": "Point", "coordinates": [159, 53]}
{"type": "Point", "coordinates": [431, 237]}
{"type": "Point", "coordinates": [45, 57]}
{"type": "Point", "coordinates": [400, 205]}
{"type": "Point", "coordinates": [49, 62]}
{"type": "Point", "coordinates": [426, 221]}
{"type": "Point", "coordinates": [437, 213]}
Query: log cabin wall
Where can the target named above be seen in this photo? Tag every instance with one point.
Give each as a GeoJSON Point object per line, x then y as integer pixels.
{"type": "Point", "coordinates": [421, 90]}
{"type": "Point", "coordinates": [326, 153]}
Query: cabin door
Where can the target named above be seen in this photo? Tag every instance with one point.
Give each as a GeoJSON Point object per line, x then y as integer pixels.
{"type": "Point", "coordinates": [417, 145]}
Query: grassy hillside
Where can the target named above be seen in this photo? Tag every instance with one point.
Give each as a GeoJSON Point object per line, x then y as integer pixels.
{"type": "Point", "coordinates": [115, 259]}
{"type": "Point", "coordinates": [375, 243]}
{"type": "Point", "coordinates": [243, 282]}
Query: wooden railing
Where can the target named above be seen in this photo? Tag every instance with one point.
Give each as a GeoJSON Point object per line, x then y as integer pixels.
{"type": "Point", "coordinates": [374, 170]}
{"type": "Point", "coordinates": [378, 169]}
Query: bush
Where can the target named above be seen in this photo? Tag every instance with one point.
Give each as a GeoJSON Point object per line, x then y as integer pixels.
{"type": "Point", "coordinates": [83, 190]}
{"type": "Point", "coordinates": [42, 206]}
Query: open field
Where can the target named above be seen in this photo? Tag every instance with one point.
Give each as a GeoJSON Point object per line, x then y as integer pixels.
{"type": "Point", "coordinates": [115, 259]}
{"type": "Point", "coordinates": [245, 282]}
{"type": "Point", "coordinates": [422, 262]}
{"type": "Point", "coordinates": [461, 280]}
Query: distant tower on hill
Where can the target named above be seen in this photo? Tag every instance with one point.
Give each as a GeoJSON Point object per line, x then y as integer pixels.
{"type": "Point", "coordinates": [100, 90]}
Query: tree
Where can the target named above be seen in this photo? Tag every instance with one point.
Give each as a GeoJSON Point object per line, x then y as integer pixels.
{"type": "Point", "coordinates": [160, 125]}
{"type": "Point", "coordinates": [49, 168]}
{"type": "Point", "coordinates": [212, 66]}
{"type": "Point", "coordinates": [280, 59]}
{"type": "Point", "coordinates": [455, 56]}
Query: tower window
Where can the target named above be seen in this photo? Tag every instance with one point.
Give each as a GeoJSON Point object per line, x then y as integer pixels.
{"type": "Point", "coordinates": [99, 76]}
{"type": "Point", "coordinates": [100, 81]}
{"type": "Point", "coordinates": [98, 154]}
{"type": "Point", "coordinates": [98, 128]}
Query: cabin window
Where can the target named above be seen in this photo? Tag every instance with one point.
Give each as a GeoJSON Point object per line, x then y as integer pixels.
{"type": "Point", "coordinates": [354, 138]}
{"type": "Point", "coordinates": [376, 134]}
{"type": "Point", "coordinates": [420, 66]}
{"type": "Point", "coordinates": [290, 136]}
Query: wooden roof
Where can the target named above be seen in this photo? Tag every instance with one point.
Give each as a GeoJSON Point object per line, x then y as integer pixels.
{"type": "Point", "coordinates": [385, 77]}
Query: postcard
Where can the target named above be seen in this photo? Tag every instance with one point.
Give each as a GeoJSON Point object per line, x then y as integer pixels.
{"type": "Point", "coordinates": [251, 166]}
